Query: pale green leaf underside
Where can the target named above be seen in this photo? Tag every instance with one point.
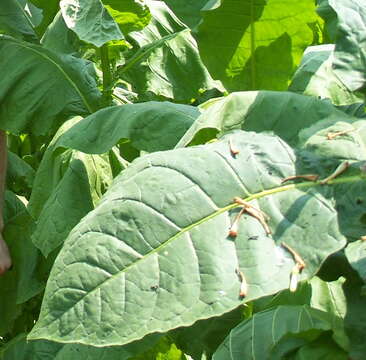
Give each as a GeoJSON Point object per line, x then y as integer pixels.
{"type": "Point", "coordinates": [155, 254]}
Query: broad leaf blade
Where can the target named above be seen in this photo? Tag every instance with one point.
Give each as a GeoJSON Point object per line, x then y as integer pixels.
{"type": "Point", "coordinates": [15, 21]}
{"type": "Point", "coordinates": [257, 337]}
{"type": "Point", "coordinates": [90, 20]}
{"type": "Point", "coordinates": [259, 42]}
{"type": "Point", "coordinates": [41, 89]}
{"type": "Point", "coordinates": [155, 254]}
{"type": "Point", "coordinates": [181, 76]}
{"type": "Point", "coordinates": [315, 76]}
{"type": "Point", "coordinates": [283, 113]}
{"type": "Point", "coordinates": [150, 126]}
{"type": "Point", "coordinates": [349, 62]}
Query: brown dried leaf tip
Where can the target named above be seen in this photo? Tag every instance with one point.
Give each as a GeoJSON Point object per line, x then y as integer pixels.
{"type": "Point", "coordinates": [256, 213]}
{"type": "Point", "coordinates": [243, 284]}
{"type": "Point", "coordinates": [310, 177]}
{"type": "Point", "coordinates": [333, 135]}
{"type": "Point", "coordinates": [234, 151]}
{"type": "Point", "coordinates": [296, 270]}
{"type": "Point", "coordinates": [338, 171]}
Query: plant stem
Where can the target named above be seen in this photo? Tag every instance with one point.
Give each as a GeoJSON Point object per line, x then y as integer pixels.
{"type": "Point", "coordinates": [107, 76]}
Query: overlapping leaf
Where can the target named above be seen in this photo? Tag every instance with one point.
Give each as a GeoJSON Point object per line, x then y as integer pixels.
{"type": "Point", "coordinates": [283, 113]}
{"type": "Point", "coordinates": [349, 58]}
{"type": "Point", "coordinates": [267, 335]}
{"type": "Point", "coordinates": [155, 254]}
{"type": "Point", "coordinates": [315, 76]}
{"type": "Point", "coordinates": [165, 61]}
{"type": "Point", "coordinates": [98, 22]}
{"type": "Point", "coordinates": [15, 21]}
{"type": "Point", "coordinates": [256, 44]}
{"type": "Point", "coordinates": [41, 88]}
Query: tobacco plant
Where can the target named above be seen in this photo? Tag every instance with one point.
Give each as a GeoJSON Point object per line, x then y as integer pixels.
{"type": "Point", "coordinates": [186, 179]}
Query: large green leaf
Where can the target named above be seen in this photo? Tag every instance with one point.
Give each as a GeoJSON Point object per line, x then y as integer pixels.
{"type": "Point", "coordinates": [283, 113]}
{"type": "Point", "coordinates": [349, 58]}
{"type": "Point", "coordinates": [15, 21]}
{"type": "Point", "coordinates": [67, 186]}
{"type": "Point", "coordinates": [155, 254]}
{"type": "Point", "coordinates": [260, 336]}
{"type": "Point", "coordinates": [150, 126]}
{"type": "Point", "coordinates": [315, 76]}
{"type": "Point", "coordinates": [98, 22]}
{"type": "Point", "coordinates": [41, 89]}
{"type": "Point", "coordinates": [21, 349]}
{"type": "Point", "coordinates": [188, 11]}
{"type": "Point", "coordinates": [256, 44]}
{"type": "Point", "coordinates": [90, 20]}
{"type": "Point", "coordinates": [165, 62]}
{"type": "Point", "coordinates": [59, 38]}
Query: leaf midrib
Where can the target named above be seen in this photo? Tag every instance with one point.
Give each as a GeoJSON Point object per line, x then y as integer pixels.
{"type": "Point", "coordinates": [261, 194]}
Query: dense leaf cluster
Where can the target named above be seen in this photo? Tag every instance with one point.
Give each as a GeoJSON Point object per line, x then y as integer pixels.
{"type": "Point", "coordinates": [186, 179]}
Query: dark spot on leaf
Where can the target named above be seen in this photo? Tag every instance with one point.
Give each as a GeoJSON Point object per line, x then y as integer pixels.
{"type": "Point", "coordinates": [255, 237]}
{"type": "Point", "coordinates": [154, 288]}
{"type": "Point", "coordinates": [359, 201]}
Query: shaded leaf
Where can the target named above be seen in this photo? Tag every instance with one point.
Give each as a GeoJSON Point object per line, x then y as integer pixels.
{"type": "Point", "coordinates": [155, 254]}
{"type": "Point", "coordinates": [15, 21]}
{"type": "Point", "coordinates": [258, 336]}
{"type": "Point", "coordinates": [355, 320]}
{"type": "Point", "coordinates": [21, 349]}
{"type": "Point", "coordinates": [41, 89]}
{"type": "Point", "coordinates": [150, 126]}
{"type": "Point", "coordinates": [59, 38]}
{"type": "Point", "coordinates": [260, 42]}
{"type": "Point", "coordinates": [188, 11]}
{"type": "Point", "coordinates": [356, 255]}
{"type": "Point", "coordinates": [321, 349]}
{"type": "Point", "coordinates": [67, 186]}
{"type": "Point", "coordinates": [49, 10]}
{"type": "Point", "coordinates": [165, 62]}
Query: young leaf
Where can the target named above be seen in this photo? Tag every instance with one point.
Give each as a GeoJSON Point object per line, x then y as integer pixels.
{"type": "Point", "coordinates": [155, 254]}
